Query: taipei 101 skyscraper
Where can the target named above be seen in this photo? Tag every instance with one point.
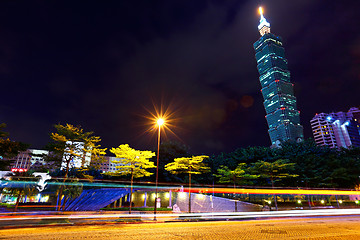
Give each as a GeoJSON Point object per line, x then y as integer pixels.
{"type": "Point", "coordinates": [282, 116]}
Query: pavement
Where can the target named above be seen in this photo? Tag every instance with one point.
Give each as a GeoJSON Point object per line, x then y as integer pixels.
{"type": "Point", "coordinates": [45, 219]}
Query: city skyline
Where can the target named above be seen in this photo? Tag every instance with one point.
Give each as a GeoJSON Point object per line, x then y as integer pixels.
{"type": "Point", "coordinates": [102, 65]}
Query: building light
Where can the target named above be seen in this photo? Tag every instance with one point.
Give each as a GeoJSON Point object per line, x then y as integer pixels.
{"type": "Point", "coordinates": [201, 196]}
{"type": "Point", "coordinates": [19, 170]}
{"type": "Point", "coordinates": [182, 195]}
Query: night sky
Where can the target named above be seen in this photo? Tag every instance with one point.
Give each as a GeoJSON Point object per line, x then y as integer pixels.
{"type": "Point", "coordinates": [104, 64]}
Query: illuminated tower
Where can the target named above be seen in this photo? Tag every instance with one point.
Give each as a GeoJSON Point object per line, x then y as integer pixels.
{"type": "Point", "coordinates": [282, 116]}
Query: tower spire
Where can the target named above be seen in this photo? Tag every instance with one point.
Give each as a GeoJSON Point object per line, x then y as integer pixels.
{"type": "Point", "coordinates": [282, 115]}
{"type": "Point", "coordinates": [264, 26]}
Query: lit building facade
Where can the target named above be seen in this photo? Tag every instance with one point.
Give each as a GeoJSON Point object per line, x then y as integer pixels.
{"type": "Point", "coordinates": [29, 159]}
{"type": "Point", "coordinates": [282, 115]}
{"type": "Point", "coordinates": [323, 130]}
{"type": "Point", "coordinates": [341, 129]}
{"type": "Point", "coordinates": [82, 158]}
{"type": "Point", "coordinates": [108, 165]}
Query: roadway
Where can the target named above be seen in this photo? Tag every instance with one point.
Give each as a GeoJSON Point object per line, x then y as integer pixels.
{"type": "Point", "coordinates": [319, 227]}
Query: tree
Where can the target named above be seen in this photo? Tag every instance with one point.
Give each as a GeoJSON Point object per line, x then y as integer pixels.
{"type": "Point", "coordinates": [133, 162]}
{"type": "Point", "coordinates": [8, 148]}
{"type": "Point", "coordinates": [274, 171]}
{"type": "Point", "coordinates": [72, 143]}
{"type": "Point", "coordinates": [246, 155]}
{"type": "Point", "coordinates": [74, 183]}
{"type": "Point", "coordinates": [321, 166]}
{"type": "Point", "coordinates": [2, 133]}
{"type": "Point", "coordinates": [73, 190]}
{"type": "Point", "coordinates": [169, 150]}
{"type": "Point", "coordinates": [22, 184]}
{"type": "Point", "coordinates": [188, 165]}
{"type": "Point", "coordinates": [237, 176]}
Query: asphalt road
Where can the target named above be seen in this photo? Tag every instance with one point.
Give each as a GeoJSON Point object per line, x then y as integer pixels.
{"type": "Point", "coordinates": [346, 227]}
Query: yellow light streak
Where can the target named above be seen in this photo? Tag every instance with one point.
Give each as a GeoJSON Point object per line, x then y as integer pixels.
{"type": "Point", "coordinates": [276, 191]}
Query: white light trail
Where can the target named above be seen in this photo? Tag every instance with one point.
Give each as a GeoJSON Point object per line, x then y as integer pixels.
{"type": "Point", "coordinates": [214, 215]}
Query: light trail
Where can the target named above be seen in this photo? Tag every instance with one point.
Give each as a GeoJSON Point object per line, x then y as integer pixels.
{"type": "Point", "coordinates": [204, 216]}
{"type": "Point", "coordinates": [203, 190]}
{"type": "Point", "coordinates": [275, 191]}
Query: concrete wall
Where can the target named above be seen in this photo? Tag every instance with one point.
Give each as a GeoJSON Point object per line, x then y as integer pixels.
{"type": "Point", "coordinates": [208, 203]}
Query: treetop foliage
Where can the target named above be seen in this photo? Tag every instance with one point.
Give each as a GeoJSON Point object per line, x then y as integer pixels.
{"type": "Point", "coordinates": [190, 165]}
{"type": "Point", "coordinates": [2, 133]}
{"type": "Point", "coordinates": [131, 161]}
{"type": "Point", "coordinates": [281, 168]}
{"type": "Point", "coordinates": [71, 142]}
{"type": "Point", "coordinates": [8, 148]}
{"type": "Point", "coordinates": [315, 166]}
{"type": "Point", "coordinates": [240, 175]}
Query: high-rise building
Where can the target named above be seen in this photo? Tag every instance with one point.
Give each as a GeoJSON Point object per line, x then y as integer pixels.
{"type": "Point", "coordinates": [282, 115]}
{"type": "Point", "coordinates": [341, 129]}
{"type": "Point", "coordinates": [323, 130]}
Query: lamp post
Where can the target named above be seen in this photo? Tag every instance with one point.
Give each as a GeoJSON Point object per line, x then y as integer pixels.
{"type": "Point", "coordinates": [159, 122]}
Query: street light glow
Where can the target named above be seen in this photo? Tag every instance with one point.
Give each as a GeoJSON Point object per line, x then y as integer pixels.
{"type": "Point", "coordinates": [160, 122]}
{"type": "Point", "coordinates": [160, 118]}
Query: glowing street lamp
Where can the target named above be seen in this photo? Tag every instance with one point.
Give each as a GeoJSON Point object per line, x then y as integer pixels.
{"type": "Point", "coordinates": [160, 122]}
{"type": "Point", "coordinates": [163, 117]}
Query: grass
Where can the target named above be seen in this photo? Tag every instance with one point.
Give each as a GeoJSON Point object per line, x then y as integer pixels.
{"type": "Point", "coordinates": [6, 204]}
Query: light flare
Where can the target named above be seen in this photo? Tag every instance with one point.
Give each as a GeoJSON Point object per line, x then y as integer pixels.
{"type": "Point", "coordinates": [160, 121]}
{"type": "Point", "coordinates": [261, 11]}
{"type": "Point", "coordinates": [163, 117]}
